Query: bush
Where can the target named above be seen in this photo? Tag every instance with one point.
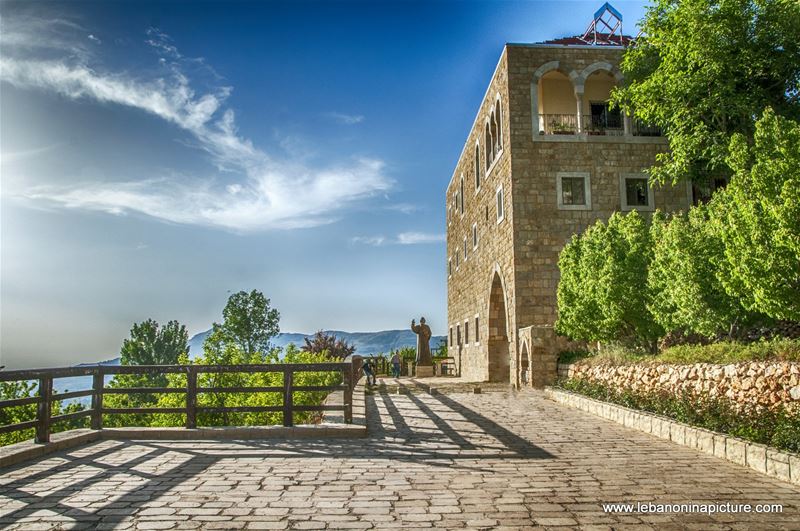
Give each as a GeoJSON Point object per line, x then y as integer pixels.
{"type": "Point", "coordinates": [603, 292]}
{"type": "Point", "coordinates": [778, 428]}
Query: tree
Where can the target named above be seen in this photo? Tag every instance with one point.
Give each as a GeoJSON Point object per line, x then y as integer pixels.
{"type": "Point", "coordinates": [687, 294]}
{"type": "Point", "coordinates": [603, 291]}
{"type": "Point", "coordinates": [704, 70]}
{"type": "Point", "coordinates": [335, 348]}
{"type": "Point", "coordinates": [758, 216]}
{"type": "Point", "coordinates": [151, 344]}
{"type": "Point", "coordinates": [249, 322]}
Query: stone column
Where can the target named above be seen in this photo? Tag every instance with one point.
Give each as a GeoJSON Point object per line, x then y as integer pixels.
{"type": "Point", "coordinates": [579, 107]}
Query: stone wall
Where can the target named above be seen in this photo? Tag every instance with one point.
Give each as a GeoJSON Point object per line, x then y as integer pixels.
{"type": "Point", "coordinates": [772, 384]}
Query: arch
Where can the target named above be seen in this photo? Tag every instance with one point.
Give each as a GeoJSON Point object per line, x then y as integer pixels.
{"type": "Point", "coordinates": [499, 365]}
{"type": "Point", "coordinates": [600, 66]}
{"type": "Point", "coordinates": [573, 77]}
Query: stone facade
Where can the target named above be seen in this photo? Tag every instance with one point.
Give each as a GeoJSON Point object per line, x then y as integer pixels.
{"type": "Point", "coordinates": [770, 384]}
{"type": "Point", "coordinates": [507, 282]}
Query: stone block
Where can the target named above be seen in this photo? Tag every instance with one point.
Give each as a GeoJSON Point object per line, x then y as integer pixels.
{"type": "Point", "coordinates": [705, 441]}
{"type": "Point", "coordinates": [778, 464]}
{"type": "Point", "coordinates": [756, 455]}
{"type": "Point", "coordinates": [794, 469]}
{"type": "Point", "coordinates": [736, 451]}
{"type": "Point", "coordinates": [720, 445]}
{"type": "Point", "coordinates": [677, 432]}
{"type": "Point", "coordinates": [690, 438]}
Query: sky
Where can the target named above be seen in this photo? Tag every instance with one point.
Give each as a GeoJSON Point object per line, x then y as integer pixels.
{"type": "Point", "coordinates": [156, 157]}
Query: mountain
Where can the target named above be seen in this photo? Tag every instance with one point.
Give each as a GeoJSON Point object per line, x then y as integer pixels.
{"type": "Point", "coordinates": [366, 343]}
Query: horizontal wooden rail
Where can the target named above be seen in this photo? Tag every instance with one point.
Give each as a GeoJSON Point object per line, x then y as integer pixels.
{"type": "Point", "coordinates": [350, 373]}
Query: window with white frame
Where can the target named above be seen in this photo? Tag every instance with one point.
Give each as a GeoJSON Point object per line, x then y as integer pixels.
{"type": "Point", "coordinates": [500, 210]}
{"type": "Point", "coordinates": [458, 335]}
{"type": "Point", "coordinates": [465, 248]}
{"type": "Point", "coordinates": [574, 191]}
{"type": "Point", "coordinates": [474, 235]}
{"type": "Point", "coordinates": [635, 192]}
{"type": "Point", "coordinates": [466, 332]}
{"type": "Point", "coordinates": [451, 337]}
{"type": "Point", "coordinates": [477, 167]}
{"type": "Point", "coordinates": [461, 196]}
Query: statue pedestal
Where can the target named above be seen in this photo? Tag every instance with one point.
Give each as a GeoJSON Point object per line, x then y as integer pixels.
{"type": "Point", "coordinates": [424, 371]}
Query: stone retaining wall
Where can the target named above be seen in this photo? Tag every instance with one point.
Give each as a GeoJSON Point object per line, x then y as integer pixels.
{"type": "Point", "coordinates": [765, 459]}
{"type": "Point", "coordinates": [773, 384]}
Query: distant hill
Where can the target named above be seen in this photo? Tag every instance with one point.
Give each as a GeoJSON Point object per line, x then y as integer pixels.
{"type": "Point", "coordinates": [366, 343]}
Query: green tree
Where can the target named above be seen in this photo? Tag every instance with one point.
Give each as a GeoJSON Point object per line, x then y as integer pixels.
{"type": "Point", "coordinates": [758, 216]}
{"type": "Point", "coordinates": [17, 414]}
{"type": "Point", "coordinates": [706, 69]}
{"type": "Point", "coordinates": [149, 344]}
{"type": "Point", "coordinates": [328, 343]}
{"type": "Point", "coordinates": [603, 292]}
{"type": "Point", "coordinates": [248, 322]}
{"type": "Point", "coordinates": [687, 294]}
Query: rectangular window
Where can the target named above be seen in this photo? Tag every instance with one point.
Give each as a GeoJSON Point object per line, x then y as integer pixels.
{"type": "Point", "coordinates": [500, 212]}
{"type": "Point", "coordinates": [477, 330]}
{"type": "Point", "coordinates": [465, 248]}
{"type": "Point", "coordinates": [573, 191]}
{"type": "Point", "coordinates": [449, 266]}
{"type": "Point", "coordinates": [461, 195]}
{"type": "Point", "coordinates": [466, 332]}
{"type": "Point", "coordinates": [451, 337]}
{"type": "Point", "coordinates": [457, 255]}
{"type": "Point", "coordinates": [636, 192]}
{"type": "Point", "coordinates": [458, 335]}
{"type": "Point", "coordinates": [474, 235]}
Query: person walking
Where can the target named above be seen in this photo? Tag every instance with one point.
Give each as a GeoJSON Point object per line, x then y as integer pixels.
{"type": "Point", "coordinates": [369, 371]}
{"type": "Point", "coordinates": [396, 364]}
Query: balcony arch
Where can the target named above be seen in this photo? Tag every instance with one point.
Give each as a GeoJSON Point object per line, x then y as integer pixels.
{"type": "Point", "coordinates": [537, 124]}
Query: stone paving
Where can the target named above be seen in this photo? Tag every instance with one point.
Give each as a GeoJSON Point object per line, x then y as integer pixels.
{"type": "Point", "coordinates": [479, 461]}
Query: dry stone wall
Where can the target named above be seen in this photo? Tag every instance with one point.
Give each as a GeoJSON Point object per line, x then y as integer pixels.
{"type": "Point", "coordinates": [770, 384]}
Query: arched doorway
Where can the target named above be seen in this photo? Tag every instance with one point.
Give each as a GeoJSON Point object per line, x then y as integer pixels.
{"type": "Point", "coordinates": [499, 363]}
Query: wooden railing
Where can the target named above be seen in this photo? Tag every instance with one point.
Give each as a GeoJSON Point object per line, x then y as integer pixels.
{"type": "Point", "coordinates": [350, 371]}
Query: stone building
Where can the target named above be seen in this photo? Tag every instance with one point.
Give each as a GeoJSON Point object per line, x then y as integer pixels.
{"type": "Point", "coordinates": [545, 158]}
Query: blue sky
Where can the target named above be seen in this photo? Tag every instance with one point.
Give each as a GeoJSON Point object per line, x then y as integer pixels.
{"type": "Point", "coordinates": [157, 156]}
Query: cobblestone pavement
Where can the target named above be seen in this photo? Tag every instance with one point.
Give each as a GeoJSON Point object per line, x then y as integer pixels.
{"type": "Point", "coordinates": [493, 460]}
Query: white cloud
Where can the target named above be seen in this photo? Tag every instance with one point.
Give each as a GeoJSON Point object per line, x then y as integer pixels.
{"type": "Point", "coordinates": [368, 240]}
{"type": "Point", "coordinates": [269, 193]}
{"type": "Point", "coordinates": [403, 208]}
{"type": "Point", "coordinates": [94, 39]}
{"type": "Point", "coordinates": [404, 238]}
{"type": "Point", "coordinates": [415, 238]}
{"type": "Point", "coordinates": [345, 119]}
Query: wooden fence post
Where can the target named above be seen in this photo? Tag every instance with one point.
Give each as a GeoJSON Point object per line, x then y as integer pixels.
{"type": "Point", "coordinates": [43, 409]}
{"type": "Point", "coordinates": [288, 418]}
{"type": "Point", "coordinates": [191, 397]}
{"type": "Point", "coordinates": [349, 382]}
{"type": "Point", "coordinates": [98, 383]}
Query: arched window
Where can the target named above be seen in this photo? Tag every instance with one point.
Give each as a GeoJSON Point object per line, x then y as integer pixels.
{"type": "Point", "coordinates": [487, 141]}
{"type": "Point", "coordinates": [493, 135]}
{"type": "Point", "coordinates": [461, 195]}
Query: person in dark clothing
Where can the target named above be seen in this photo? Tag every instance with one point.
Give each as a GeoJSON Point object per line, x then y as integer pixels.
{"type": "Point", "coordinates": [369, 371]}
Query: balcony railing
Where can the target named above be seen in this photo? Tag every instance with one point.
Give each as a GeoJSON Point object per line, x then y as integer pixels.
{"type": "Point", "coordinates": [639, 128]}
{"type": "Point", "coordinates": [560, 124]}
{"type": "Point", "coordinates": [610, 124]}
{"type": "Point", "coordinates": [594, 124]}
{"type": "Point", "coordinates": [350, 373]}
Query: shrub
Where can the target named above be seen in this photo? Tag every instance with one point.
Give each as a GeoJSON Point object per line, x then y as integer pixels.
{"type": "Point", "coordinates": [779, 428]}
{"type": "Point", "coordinates": [603, 291]}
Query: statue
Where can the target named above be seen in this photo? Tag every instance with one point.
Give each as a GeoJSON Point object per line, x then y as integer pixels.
{"type": "Point", "coordinates": [423, 332]}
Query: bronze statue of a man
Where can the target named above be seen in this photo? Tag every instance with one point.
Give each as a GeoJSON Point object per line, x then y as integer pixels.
{"type": "Point", "coordinates": [423, 332]}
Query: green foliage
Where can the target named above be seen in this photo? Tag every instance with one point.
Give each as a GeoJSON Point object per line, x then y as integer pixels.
{"type": "Point", "coordinates": [687, 295]}
{"type": "Point", "coordinates": [778, 428]}
{"type": "Point", "coordinates": [337, 349]}
{"type": "Point", "coordinates": [408, 354]}
{"type": "Point", "coordinates": [704, 69]}
{"type": "Point", "coordinates": [603, 291]}
{"type": "Point", "coordinates": [17, 414]}
{"type": "Point", "coordinates": [723, 352]}
{"type": "Point", "coordinates": [758, 218]}
{"type": "Point", "coordinates": [248, 322]}
{"type": "Point", "coordinates": [151, 344]}
{"type": "Point", "coordinates": [571, 356]}
{"type": "Point", "coordinates": [441, 349]}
